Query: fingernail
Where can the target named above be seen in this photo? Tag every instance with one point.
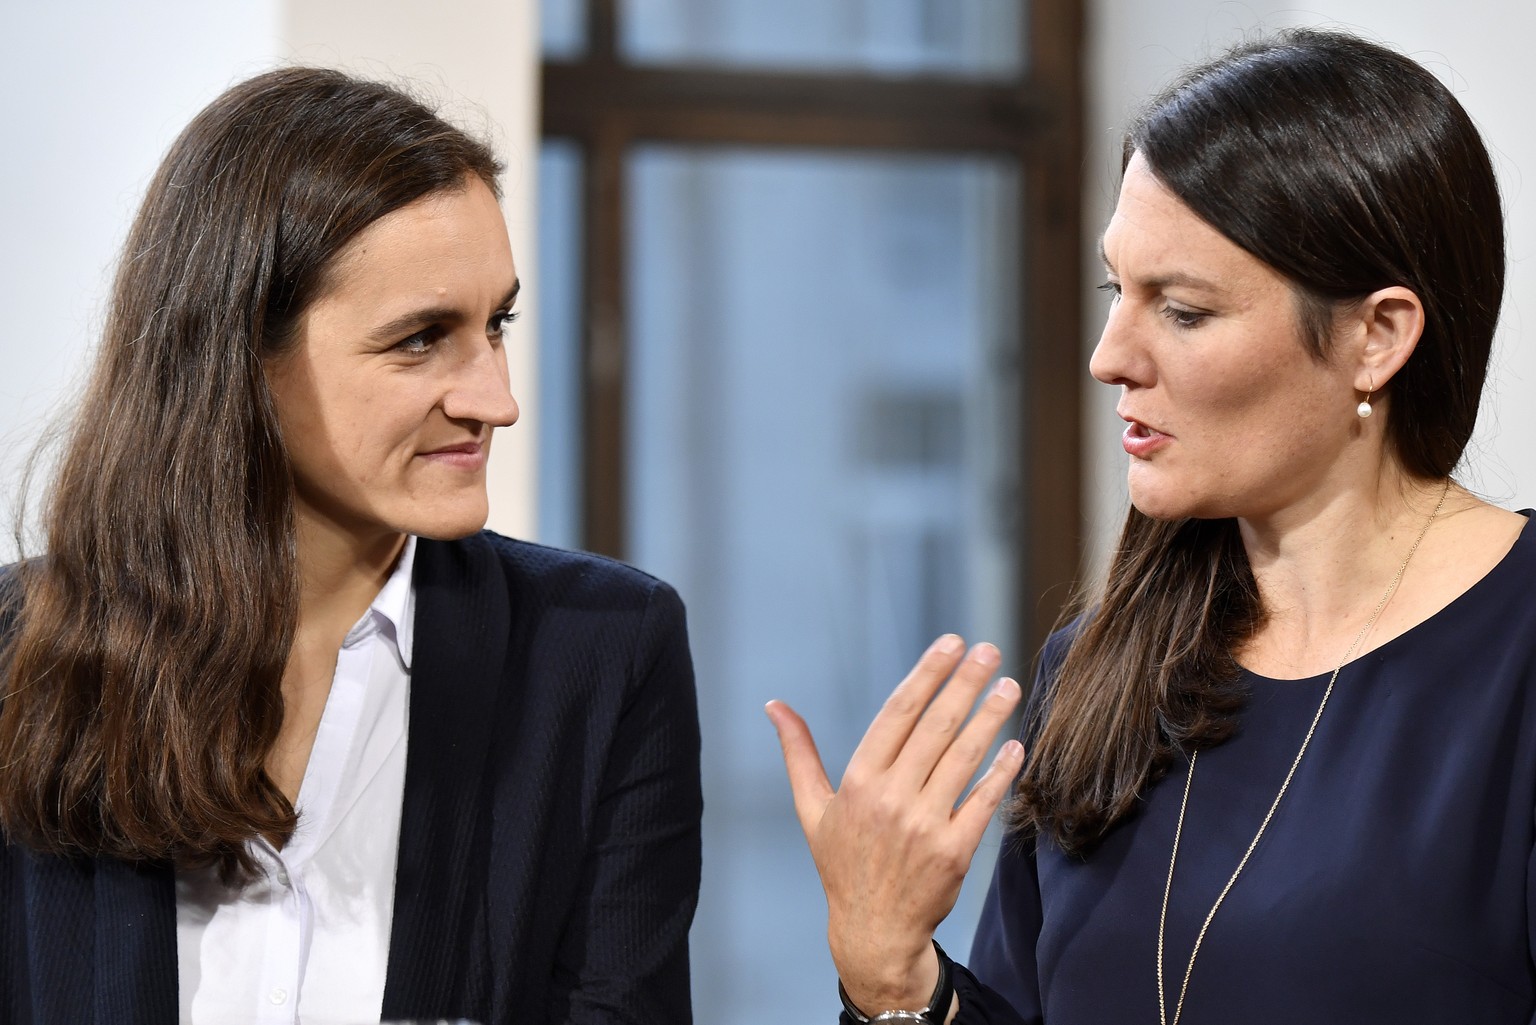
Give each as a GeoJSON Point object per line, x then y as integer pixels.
{"type": "Point", "coordinates": [1005, 687]}
{"type": "Point", "coordinates": [949, 644]}
{"type": "Point", "coordinates": [986, 654]}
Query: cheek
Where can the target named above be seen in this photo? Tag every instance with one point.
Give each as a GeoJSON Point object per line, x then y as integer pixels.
{"type": "Point", "coordinates": [365, 433]}
{"type": "Point", "coordinates": [1210, 398]}
{"type": "Point", "coordinates": [1275, 386]}
{"type": "Point", "coordinates": [1282, 425]}
{"type": "Point", "coordinates": [387, 407]}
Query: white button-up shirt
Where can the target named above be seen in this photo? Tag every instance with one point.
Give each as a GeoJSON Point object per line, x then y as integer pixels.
{"type": "Point", "coordinates": [309, 940]}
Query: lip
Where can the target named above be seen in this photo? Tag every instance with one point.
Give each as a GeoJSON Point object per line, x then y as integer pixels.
{"type": "Point", "coordinates": [466, 455]}
{"type": "Point", "coordinates": [1141, 440]}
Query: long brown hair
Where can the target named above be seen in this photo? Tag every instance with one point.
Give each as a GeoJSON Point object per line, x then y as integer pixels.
{"type": "Point", "coordinates": [148, 641]}
{"type": "Point", "coordinates": [1348, 168]}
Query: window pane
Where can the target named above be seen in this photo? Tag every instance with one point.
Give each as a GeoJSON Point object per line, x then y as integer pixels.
{"type": "Point", "coordinates": [823, 380]}
{"type": "Point", "coordinates": [563, 28]}
{"type": "Point", "coordinates": [969, 38]}
{"type": "Point", "coordinates": [557, 293]}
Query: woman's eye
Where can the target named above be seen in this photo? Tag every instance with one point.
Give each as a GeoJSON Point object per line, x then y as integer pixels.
{"type": "Point", "coordinates": [420, 343]}
{"type": "Point", "coordinates": [499, 322]}
{"type": "Point", "coordinates": [1184, 318]}
{"type": "Point", "coordinates": [1112, 287]}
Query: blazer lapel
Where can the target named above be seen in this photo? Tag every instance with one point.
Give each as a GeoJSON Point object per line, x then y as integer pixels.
{"type": "Point", "coordinates": [462, 616]}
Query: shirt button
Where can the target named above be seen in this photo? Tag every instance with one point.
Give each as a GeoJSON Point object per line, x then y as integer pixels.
{"type": "Point", "coordinates": [282, 876]}
{"type": "Point", "coordinates": [278, 996]}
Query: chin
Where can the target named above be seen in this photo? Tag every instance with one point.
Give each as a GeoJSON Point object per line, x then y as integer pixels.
{"type": "Point", "coordinates": [1159, 502]}
{"type": "Point", "coordinates": [450, 531]}
{"type": "Point", "coordinates": [1159, 512]}
{"type": "Point", "coordinates": [1164, 503]}
{"type": "Point", "coordinates": [1162, 493]}
{"type": "Point", "coordinates": [1165, 506]}
{"type": "Point", "coordinates": [450, 524]}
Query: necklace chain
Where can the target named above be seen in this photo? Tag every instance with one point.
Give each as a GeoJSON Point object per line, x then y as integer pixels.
{"type": "Point", "coordinates": [1162, 1007]}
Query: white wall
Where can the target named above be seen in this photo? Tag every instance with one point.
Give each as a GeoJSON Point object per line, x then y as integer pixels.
{"type": "Point", "coordinates": [94, 93]}
{"type": "Point", "coordinates": [1479, 48]}
{"type": "Point", "coordinates": [97, 89]}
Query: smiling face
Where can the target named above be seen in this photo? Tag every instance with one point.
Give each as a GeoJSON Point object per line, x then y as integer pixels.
{"type": "Point", "coordinates": [388, 397]}
{"type": "Point", "coordinates": [1229, 414]}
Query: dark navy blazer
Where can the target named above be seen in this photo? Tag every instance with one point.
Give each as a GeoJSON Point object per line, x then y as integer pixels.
{"type": "Point", "coordinates": [549, 846]}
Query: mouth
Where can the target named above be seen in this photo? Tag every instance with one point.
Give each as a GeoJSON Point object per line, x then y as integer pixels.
{"type": "Point", "coordinates": [467, 455]}
{"type": "Point", "coordinates": [1140, 439]}
{"type": "Point", "coordinates": [467, 448]}
{"type": "Point", "coordinates": [1141, 429]}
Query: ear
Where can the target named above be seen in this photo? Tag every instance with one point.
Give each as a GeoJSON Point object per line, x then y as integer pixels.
{"type": "Point", "coordinates": [1387, 325]}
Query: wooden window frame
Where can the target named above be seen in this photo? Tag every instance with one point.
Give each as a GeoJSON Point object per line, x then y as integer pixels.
{"type": "Point", "coordinates": [606, 105]}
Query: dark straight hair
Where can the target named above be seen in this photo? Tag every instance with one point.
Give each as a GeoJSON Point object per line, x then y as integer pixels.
{"type": "Point", "coordinates": [1348, 168]}
{"type": "Point", "coordinates": [147, 647]}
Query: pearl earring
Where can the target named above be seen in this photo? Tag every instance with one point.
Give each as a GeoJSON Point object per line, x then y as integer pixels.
{"type": "Point", "coordinates": [1363, 411]}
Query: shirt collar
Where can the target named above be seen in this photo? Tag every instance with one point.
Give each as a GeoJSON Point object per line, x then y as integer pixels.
{"type": "Point", "coordinates": [393, 612]}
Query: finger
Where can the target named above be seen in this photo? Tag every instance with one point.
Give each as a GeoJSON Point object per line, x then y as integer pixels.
{"type": "Point", "coordinates": [945, 715]}
{"type": "Point", "coordinates": [959, 762]}
{"type": "Point", "coordinates": [893, 725]}
{"type": "Point", "coordinates": [802, 762]}
{"type": "Point", "coordinates": [976, 811]}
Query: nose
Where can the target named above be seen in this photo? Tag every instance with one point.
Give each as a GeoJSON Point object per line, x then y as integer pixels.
{"type": "Point", "coordinates": [1119, 358]}
{"type": "Point", "coordinates": [481, 390]}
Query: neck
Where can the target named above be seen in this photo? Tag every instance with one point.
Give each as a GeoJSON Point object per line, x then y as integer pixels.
{"type": "Point", "coordinates": [1322, 567]}
{"type": "Point", "coordinates": [340, 571]}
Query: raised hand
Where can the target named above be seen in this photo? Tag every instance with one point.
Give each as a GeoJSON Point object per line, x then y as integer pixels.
{"type": "Point", "coordinates": [892, 844]}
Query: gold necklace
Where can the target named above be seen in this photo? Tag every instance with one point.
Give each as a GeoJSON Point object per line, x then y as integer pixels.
{"type": "Point", "coordinates": [1162, 1007]}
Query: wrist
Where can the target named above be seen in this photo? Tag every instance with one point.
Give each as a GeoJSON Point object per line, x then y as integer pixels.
{"type": "Point", "coordinates": [883, 965]}
{"type": "Point", "coordinates": [896, 1004]}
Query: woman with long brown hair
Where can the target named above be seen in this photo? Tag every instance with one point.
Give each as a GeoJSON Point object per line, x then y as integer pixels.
{"type": "Point", "coordinates": [285, 735]}
{"type": "Point", "coordinates": [1281, 765]}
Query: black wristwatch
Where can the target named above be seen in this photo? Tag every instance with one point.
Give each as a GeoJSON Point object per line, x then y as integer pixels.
{"type": "Point", "coordinates": [934, 1014]}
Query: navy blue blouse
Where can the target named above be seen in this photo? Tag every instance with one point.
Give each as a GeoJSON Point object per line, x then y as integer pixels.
{"type": "Point", "coordinates": [1395, 883]}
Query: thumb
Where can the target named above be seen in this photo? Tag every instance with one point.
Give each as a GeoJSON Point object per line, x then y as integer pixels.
{"type": "Point", "coordinates": [807, 779]}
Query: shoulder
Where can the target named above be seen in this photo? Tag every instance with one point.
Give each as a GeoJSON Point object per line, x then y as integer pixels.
{"type": "Point", "coordinates": [1054, 653]}
{"type": "Point", "coordinates": [543, 575]}
{"type": "Point", "coordinates": [564, 611]}
{"type": "Point", "coordinates": [12, 592]}
{"type": "Point", "coordinates": [1488, 583]}
{"type": "Point", "coordinates": [1047, 670]}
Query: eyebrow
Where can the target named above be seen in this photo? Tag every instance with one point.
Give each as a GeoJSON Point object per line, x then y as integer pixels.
{"type": "Point", "coordinates": [1176, 279]}
{"type": "Point", "coordinates": [419, 318]}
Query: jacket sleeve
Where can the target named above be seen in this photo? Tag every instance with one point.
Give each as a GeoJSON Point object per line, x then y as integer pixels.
{"type": "Point", "coordinates": [623, 957]}
{"type": "Point", "coordinates": [1002, 984]}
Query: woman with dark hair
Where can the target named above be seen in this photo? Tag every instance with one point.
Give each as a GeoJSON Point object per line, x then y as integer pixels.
{"type": "Point", "coordinates": [285, 735]}
{"type": "Point", "coordinates": [1282, 764]}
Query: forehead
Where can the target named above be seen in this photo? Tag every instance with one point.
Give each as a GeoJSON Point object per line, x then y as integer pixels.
{"type": "Point", "coordinates": [442, 237]}
{"type": "Point", "coordinates": [1154, 235]}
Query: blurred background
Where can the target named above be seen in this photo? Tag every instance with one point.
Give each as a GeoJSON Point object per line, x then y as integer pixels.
{"type": "Point", "coordinates": [809, 306]}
